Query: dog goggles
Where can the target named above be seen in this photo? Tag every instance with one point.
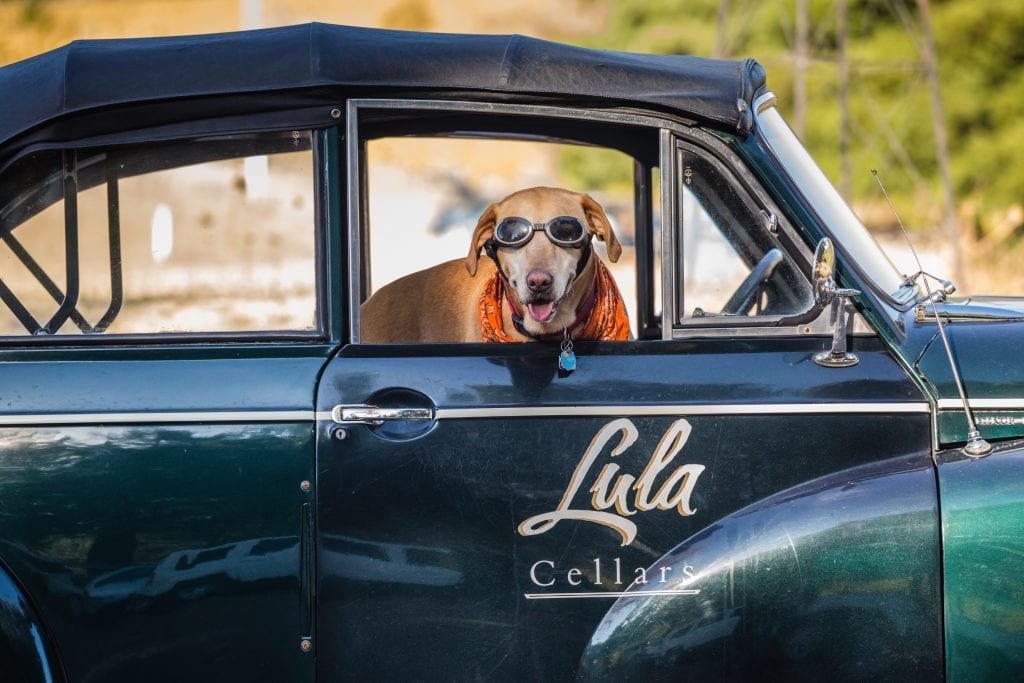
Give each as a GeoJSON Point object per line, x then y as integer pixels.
{"type": "Point", "coordinates": [565, 231]}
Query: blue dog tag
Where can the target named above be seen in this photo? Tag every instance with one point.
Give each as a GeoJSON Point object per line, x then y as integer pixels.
{"type": "Point", "coordinates": [567, 359]}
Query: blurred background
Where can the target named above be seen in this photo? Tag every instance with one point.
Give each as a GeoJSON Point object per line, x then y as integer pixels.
{"type": "Point", "coordinates": [928, 92]}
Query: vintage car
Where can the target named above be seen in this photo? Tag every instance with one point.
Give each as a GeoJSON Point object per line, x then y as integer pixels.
{"type": "Point", "coordinates": [205, 474]}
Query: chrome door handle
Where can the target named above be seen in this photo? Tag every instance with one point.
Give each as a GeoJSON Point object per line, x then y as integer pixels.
{"type": "Point", "coordinates": [372, 415]}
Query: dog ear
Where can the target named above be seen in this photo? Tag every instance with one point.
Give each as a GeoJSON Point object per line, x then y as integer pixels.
{"type": "Point", "coordinates": [482, 233]}
{"type": "Point", "coordinates": [599, 225]}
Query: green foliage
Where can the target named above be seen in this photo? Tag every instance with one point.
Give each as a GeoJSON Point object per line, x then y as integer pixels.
{"type": "Point", "coordinates": [33, 12]}
{"type": "Point", "coordinates": [980, 46]}
{"type": "Point", "coordinates": [593, 167]}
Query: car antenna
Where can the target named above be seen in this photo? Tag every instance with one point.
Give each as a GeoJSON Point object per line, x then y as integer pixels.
{"type": "Point", "coordinates": [976, 446]}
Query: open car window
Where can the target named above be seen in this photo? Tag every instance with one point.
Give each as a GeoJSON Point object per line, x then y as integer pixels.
{"type": "Point", "coordinates": [424, 178]}
{"type": "Point", "coordinates": [198, 236]}
{"type": "Point", "coordinates": [427, 178]}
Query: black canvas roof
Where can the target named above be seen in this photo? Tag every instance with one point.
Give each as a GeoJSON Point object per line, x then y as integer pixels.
{"type": "Point", "coordinates": [53, 94]}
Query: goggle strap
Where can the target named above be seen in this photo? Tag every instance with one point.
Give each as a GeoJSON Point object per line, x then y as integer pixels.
{"type": "Point", "coordinates": [491, 249]}
{"type": "Point", "coordinates": [585, 257]}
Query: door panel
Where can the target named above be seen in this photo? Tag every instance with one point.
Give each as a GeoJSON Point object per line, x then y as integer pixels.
{"type": "Point", "coordinates": [151, 507]}
{"type": "Point", "coordinates": [479, 547]}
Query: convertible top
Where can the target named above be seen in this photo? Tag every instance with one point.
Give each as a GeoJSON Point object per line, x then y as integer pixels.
{"type": "Point", "coordinates": [82, 89]}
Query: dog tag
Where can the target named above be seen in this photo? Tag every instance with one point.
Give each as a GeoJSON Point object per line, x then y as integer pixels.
{"type": "Point", "coordinates": [567, 359]}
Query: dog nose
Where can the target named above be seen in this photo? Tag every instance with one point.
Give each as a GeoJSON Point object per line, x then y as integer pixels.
{"type": "Point", "coordinates": [538, 281]}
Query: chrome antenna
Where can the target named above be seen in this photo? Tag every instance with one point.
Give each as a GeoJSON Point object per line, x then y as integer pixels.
{"type": "Point", "coordinates": [976, 446]}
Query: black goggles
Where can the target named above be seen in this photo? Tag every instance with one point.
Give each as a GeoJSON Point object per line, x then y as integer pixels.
{"type": "Point", "coordinates": [565, 231]}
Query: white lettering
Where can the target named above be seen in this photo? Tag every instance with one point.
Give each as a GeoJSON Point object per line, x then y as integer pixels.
{"type": "Point", "coordinates": [533, 573]}
{"type": "Point", "coordinates": [547, 574]}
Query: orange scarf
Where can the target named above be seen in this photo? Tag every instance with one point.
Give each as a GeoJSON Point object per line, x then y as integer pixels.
{"type": "Point", "coordinates": [607, 320]}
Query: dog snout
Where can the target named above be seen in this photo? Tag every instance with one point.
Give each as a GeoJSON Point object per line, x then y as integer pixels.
{"type": "Point", "coordinates": [539, 281]}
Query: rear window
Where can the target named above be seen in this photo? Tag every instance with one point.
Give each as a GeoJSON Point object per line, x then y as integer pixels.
{"type": "Point", "coordinates": [198, 236]}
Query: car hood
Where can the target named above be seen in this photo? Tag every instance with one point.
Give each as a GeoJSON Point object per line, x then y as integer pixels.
{"type": "Point", "coordinates": [986, 336]}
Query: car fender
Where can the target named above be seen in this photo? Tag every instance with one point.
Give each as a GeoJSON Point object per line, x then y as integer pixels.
{"type": "Point", "coordinates": [24, 649]}
{"type": "Point", "coordinates": [839, 575]}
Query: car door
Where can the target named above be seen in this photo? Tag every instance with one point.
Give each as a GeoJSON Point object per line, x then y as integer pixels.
{"type": "Point", "coordinates": [164, 330]}
{"type": "Point", "coordinates": [481, 514]}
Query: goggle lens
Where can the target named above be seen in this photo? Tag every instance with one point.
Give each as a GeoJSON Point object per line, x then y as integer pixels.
{"type": "Point", "coordinates": [513, 231]}
{"type": "Point", "coordinates": [565, 229]}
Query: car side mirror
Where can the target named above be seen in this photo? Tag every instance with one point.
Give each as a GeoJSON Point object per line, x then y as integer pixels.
{"type": "Point", "coordinates": [826, 292]}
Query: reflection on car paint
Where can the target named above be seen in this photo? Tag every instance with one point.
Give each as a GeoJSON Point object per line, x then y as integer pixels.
{"type": "Point", "coordinates": [198, 571]}
{"type": "Point", "coordinates": [346, 557]}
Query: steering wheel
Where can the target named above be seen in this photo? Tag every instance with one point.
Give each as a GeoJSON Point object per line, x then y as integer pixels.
{"type": "Point", "coordinates": [745, 295]}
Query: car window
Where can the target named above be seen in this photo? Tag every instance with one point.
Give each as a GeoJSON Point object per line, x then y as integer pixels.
{"type": "Point", "coordinates": [426, 195]}
{"type": "Point", "coordinates": [732, 262]}
{"type": "Point", "coordinates": [424, 180]}
{"type": "Point", "coordinates": [199, 236]}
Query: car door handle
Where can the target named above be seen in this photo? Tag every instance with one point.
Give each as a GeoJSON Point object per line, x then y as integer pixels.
{"type": "Point", "coordinates": [372, 415]}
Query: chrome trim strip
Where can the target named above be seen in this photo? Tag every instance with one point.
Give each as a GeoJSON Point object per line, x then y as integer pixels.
{"type": "Point", "coordinates": [681, 410]}
{"type": "Point", "coordinates": [208, 416]}
{"type": "Point", "coordinates": [982, 403]}
{"type": "Point", "coordinates": [353, 199]}
{"type": "Point", "coordinates": [667, 177]}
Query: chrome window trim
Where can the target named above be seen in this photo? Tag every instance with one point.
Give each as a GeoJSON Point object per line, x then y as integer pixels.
{"type": "Point", "coordinates": [353, 204]}
{"type": "Point", "coordinates": [667, 170]}
{"type": "Point", "coordinates": [540, 110]}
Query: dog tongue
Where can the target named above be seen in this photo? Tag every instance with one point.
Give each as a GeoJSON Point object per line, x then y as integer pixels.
{"type": "Point", "coordinates": [540, 312]}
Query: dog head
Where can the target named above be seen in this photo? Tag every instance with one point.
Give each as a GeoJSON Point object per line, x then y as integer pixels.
{"type": "Point", "coordinates": [540, 273]}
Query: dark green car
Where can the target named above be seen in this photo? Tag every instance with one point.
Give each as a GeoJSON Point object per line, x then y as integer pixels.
{"type": "Point", "coordinates": [206, 475]}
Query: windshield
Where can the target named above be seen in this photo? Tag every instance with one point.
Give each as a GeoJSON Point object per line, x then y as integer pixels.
{"type": "Point", "coordinates": [847, 230]}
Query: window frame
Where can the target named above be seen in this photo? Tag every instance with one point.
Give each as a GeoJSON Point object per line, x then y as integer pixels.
{"type": "Point", "coordinates": [669, 131]}
{"type": "Point", "coordinates": [356, 180]}
{"type": "Point", "coordinates": [675, 324]}
{"type": "Point", "coordinates": [324, 152]}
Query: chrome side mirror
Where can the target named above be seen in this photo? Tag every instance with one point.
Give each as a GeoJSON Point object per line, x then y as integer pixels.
{"type": "Point", "coordinates": [827, 292]}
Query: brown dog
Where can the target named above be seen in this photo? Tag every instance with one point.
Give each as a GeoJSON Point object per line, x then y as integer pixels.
{"type": "Point", "coordinates": [534, 287]}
